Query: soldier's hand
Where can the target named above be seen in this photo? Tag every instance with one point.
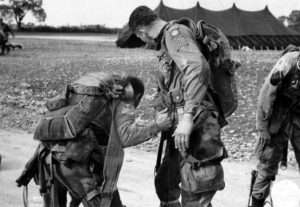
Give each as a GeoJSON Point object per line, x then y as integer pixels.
{"type": "Point", "coordinates": [116, 91]}
{"type": "Point", "coordinates": [263, 141]}
{"type": "Point", "coordinates": [183, 132]}
{"type": "Point", "coordinates": [163, 119]}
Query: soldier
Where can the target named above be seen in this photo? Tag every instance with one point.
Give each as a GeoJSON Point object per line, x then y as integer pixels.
{"type": "Point", "coordinates": [194, 148]}
{"type": "Point", "coordinates": [277, 120]}
{"type": "Point", "coordinates": [97, 122]}
{"type": "Point", "coordinates": [4, 33]}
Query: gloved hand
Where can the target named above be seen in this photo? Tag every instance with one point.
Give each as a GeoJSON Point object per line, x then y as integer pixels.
{"type": "Point", "coordinates": [183, 132]}
{"type": "Point", "coordinates": [116, 91]}
{"type": "Point", "coordinates": [24, 178]}
{"type": "Point", "coordinates": [163, 119]}
{"type": "Point", "coordinates": [263, 141]}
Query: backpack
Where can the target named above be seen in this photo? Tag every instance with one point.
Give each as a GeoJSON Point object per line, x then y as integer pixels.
{"type": "Point", "coordinates": [216, 49]}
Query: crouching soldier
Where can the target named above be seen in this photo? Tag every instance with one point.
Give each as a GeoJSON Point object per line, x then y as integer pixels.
{"type": "Point", "coordinates": [277, 120]}
{"type": "Point", "coordinates": [82, 138]}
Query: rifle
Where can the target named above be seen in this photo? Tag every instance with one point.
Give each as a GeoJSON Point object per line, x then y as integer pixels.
{"type": "Point", "coordinates": [253, 178]}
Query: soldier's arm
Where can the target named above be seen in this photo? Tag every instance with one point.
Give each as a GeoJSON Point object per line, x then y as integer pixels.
{"type": "Point", "coordinates": [183, 49]}
{"type": "Point", "coordinates": [268, 93]}
{"type": "Point", "coordinates": [70, 124]}
{"type": "Point", "coordinates": [131, 132]}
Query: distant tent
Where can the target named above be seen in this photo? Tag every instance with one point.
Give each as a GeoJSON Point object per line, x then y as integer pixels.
{"type": "Point", "coordinates": [259, 29]}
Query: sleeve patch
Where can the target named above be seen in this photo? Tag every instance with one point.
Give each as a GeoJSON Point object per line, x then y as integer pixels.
{"type": "Point", "coordinates": [174, 32]}
{"type": "Point", "coordinates": [180, 42]}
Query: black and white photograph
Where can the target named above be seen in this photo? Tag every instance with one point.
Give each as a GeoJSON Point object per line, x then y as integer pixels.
{"type": "Point", "coordinates": [149, 103]}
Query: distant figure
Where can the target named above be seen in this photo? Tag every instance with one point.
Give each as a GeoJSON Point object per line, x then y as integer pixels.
{"type": "Point", "coordinates": [4, 35]}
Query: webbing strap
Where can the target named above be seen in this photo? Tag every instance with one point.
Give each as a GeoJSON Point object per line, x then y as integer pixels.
{"type": "Point", "coordinates": [113, 162]}
{"type": "Point", "coordinates": [86, 90]}
{"type": "Point", "coordinates": [25, 196]}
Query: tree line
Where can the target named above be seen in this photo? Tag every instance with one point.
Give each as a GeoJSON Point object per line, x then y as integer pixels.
{"type": "Point", "coordinates": [16, 10]}
{"type": "Point", "coordinates": [291, 21]}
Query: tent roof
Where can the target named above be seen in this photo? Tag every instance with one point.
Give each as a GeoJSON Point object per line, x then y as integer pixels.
{"type": "Point", "coordinates": [232, 21]}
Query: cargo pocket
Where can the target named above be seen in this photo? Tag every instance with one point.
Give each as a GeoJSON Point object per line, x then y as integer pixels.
{"type": "Point", "coordinates": [205, 178]}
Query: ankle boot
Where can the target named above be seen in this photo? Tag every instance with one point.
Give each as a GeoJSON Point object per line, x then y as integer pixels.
{"type": "Point", "coordinates": [257, 202]}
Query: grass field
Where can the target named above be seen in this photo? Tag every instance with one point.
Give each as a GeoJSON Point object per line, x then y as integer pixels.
{"type": "Point", "coordinates": [29, 76]}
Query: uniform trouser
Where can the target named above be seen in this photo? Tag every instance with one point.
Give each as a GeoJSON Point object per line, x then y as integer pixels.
{"type": "Point", "coordinates": [205, 180]}
{"type": "Point", "coordinates": [269, 159]}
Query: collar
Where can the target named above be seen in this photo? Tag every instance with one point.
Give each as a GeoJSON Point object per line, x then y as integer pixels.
{"type": "Point", "coordinates": [158, 39]}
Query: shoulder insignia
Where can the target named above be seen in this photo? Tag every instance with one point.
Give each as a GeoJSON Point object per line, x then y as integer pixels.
{"type": "Point", "coordinates": [173, 30]}
{"type": "Point", "coordinates": [174, 33]}
{"type": "Point", "coordinates": [180, 42]}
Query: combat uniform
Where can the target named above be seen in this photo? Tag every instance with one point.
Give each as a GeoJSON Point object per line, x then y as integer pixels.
{"type": "Point", "coordinates": [278, 117]}
{"type": "Point", "coordinates": [184, 87]}
{"type": "Point", "coordinates": [88, 120]}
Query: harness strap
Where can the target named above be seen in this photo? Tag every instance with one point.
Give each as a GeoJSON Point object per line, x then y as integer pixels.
{"type": "Point", "coordinates": [112, 165]}
{"type": "Point", "coordinates": [160, 150]}
{"type": "Point", "coordinates": [25, 196]}
{"type": "Point", "coordinates": [51, 185]}
{"type": "Point", "coordinates": [86, 90]}
{"type": "Point", "coordinates": [42, 179]}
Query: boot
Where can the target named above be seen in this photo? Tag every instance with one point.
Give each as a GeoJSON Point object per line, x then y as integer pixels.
{"type": "Point", "coordinates": [257, 202]}
{"type": "Point", "coordinates": [170, 204]}
{"type": "Point", "coordinates": [283, 165]}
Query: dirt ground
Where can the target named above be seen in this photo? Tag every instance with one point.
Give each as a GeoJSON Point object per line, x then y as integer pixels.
{"type": "Point", "coordinates": [136, 180]}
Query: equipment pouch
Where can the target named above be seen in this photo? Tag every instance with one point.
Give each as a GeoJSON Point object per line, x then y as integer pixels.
{"type": "Point", "coordinates": [205, 178]}
{"type": "Point", "coordinates": [56, 103]}
{"type": "Point", "coordinates": [177, 97]}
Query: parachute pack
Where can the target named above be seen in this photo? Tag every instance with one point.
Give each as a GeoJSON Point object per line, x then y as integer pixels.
{"type": "Point", "coordinates": [216, 49]}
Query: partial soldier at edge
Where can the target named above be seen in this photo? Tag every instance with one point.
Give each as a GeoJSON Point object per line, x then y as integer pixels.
{"type": "Point", "coordinates": [277, 121]}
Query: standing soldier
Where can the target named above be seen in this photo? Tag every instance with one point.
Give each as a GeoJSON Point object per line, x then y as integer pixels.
{"type": "Point", "coordinates": [194, 148]}
{"type": "Point", "coordinates": [277, 120]}
{"type": "Point", "coordinates": [86, 131]}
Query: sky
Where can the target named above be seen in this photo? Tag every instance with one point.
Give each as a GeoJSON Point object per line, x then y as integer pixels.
{"type": "Point", "coordinates": [115, 13]}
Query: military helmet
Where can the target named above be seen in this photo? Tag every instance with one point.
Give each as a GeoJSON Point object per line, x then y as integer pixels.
{"type": "Point", "coordinates": [137, 85]}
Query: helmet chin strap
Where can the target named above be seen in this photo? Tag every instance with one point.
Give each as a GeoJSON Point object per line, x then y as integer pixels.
{"type": "Point", "coordinates": [128, 93]}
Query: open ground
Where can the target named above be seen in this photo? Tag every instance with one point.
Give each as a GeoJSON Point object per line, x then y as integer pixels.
{"type": "Point", "coordinates": [40, 71]}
